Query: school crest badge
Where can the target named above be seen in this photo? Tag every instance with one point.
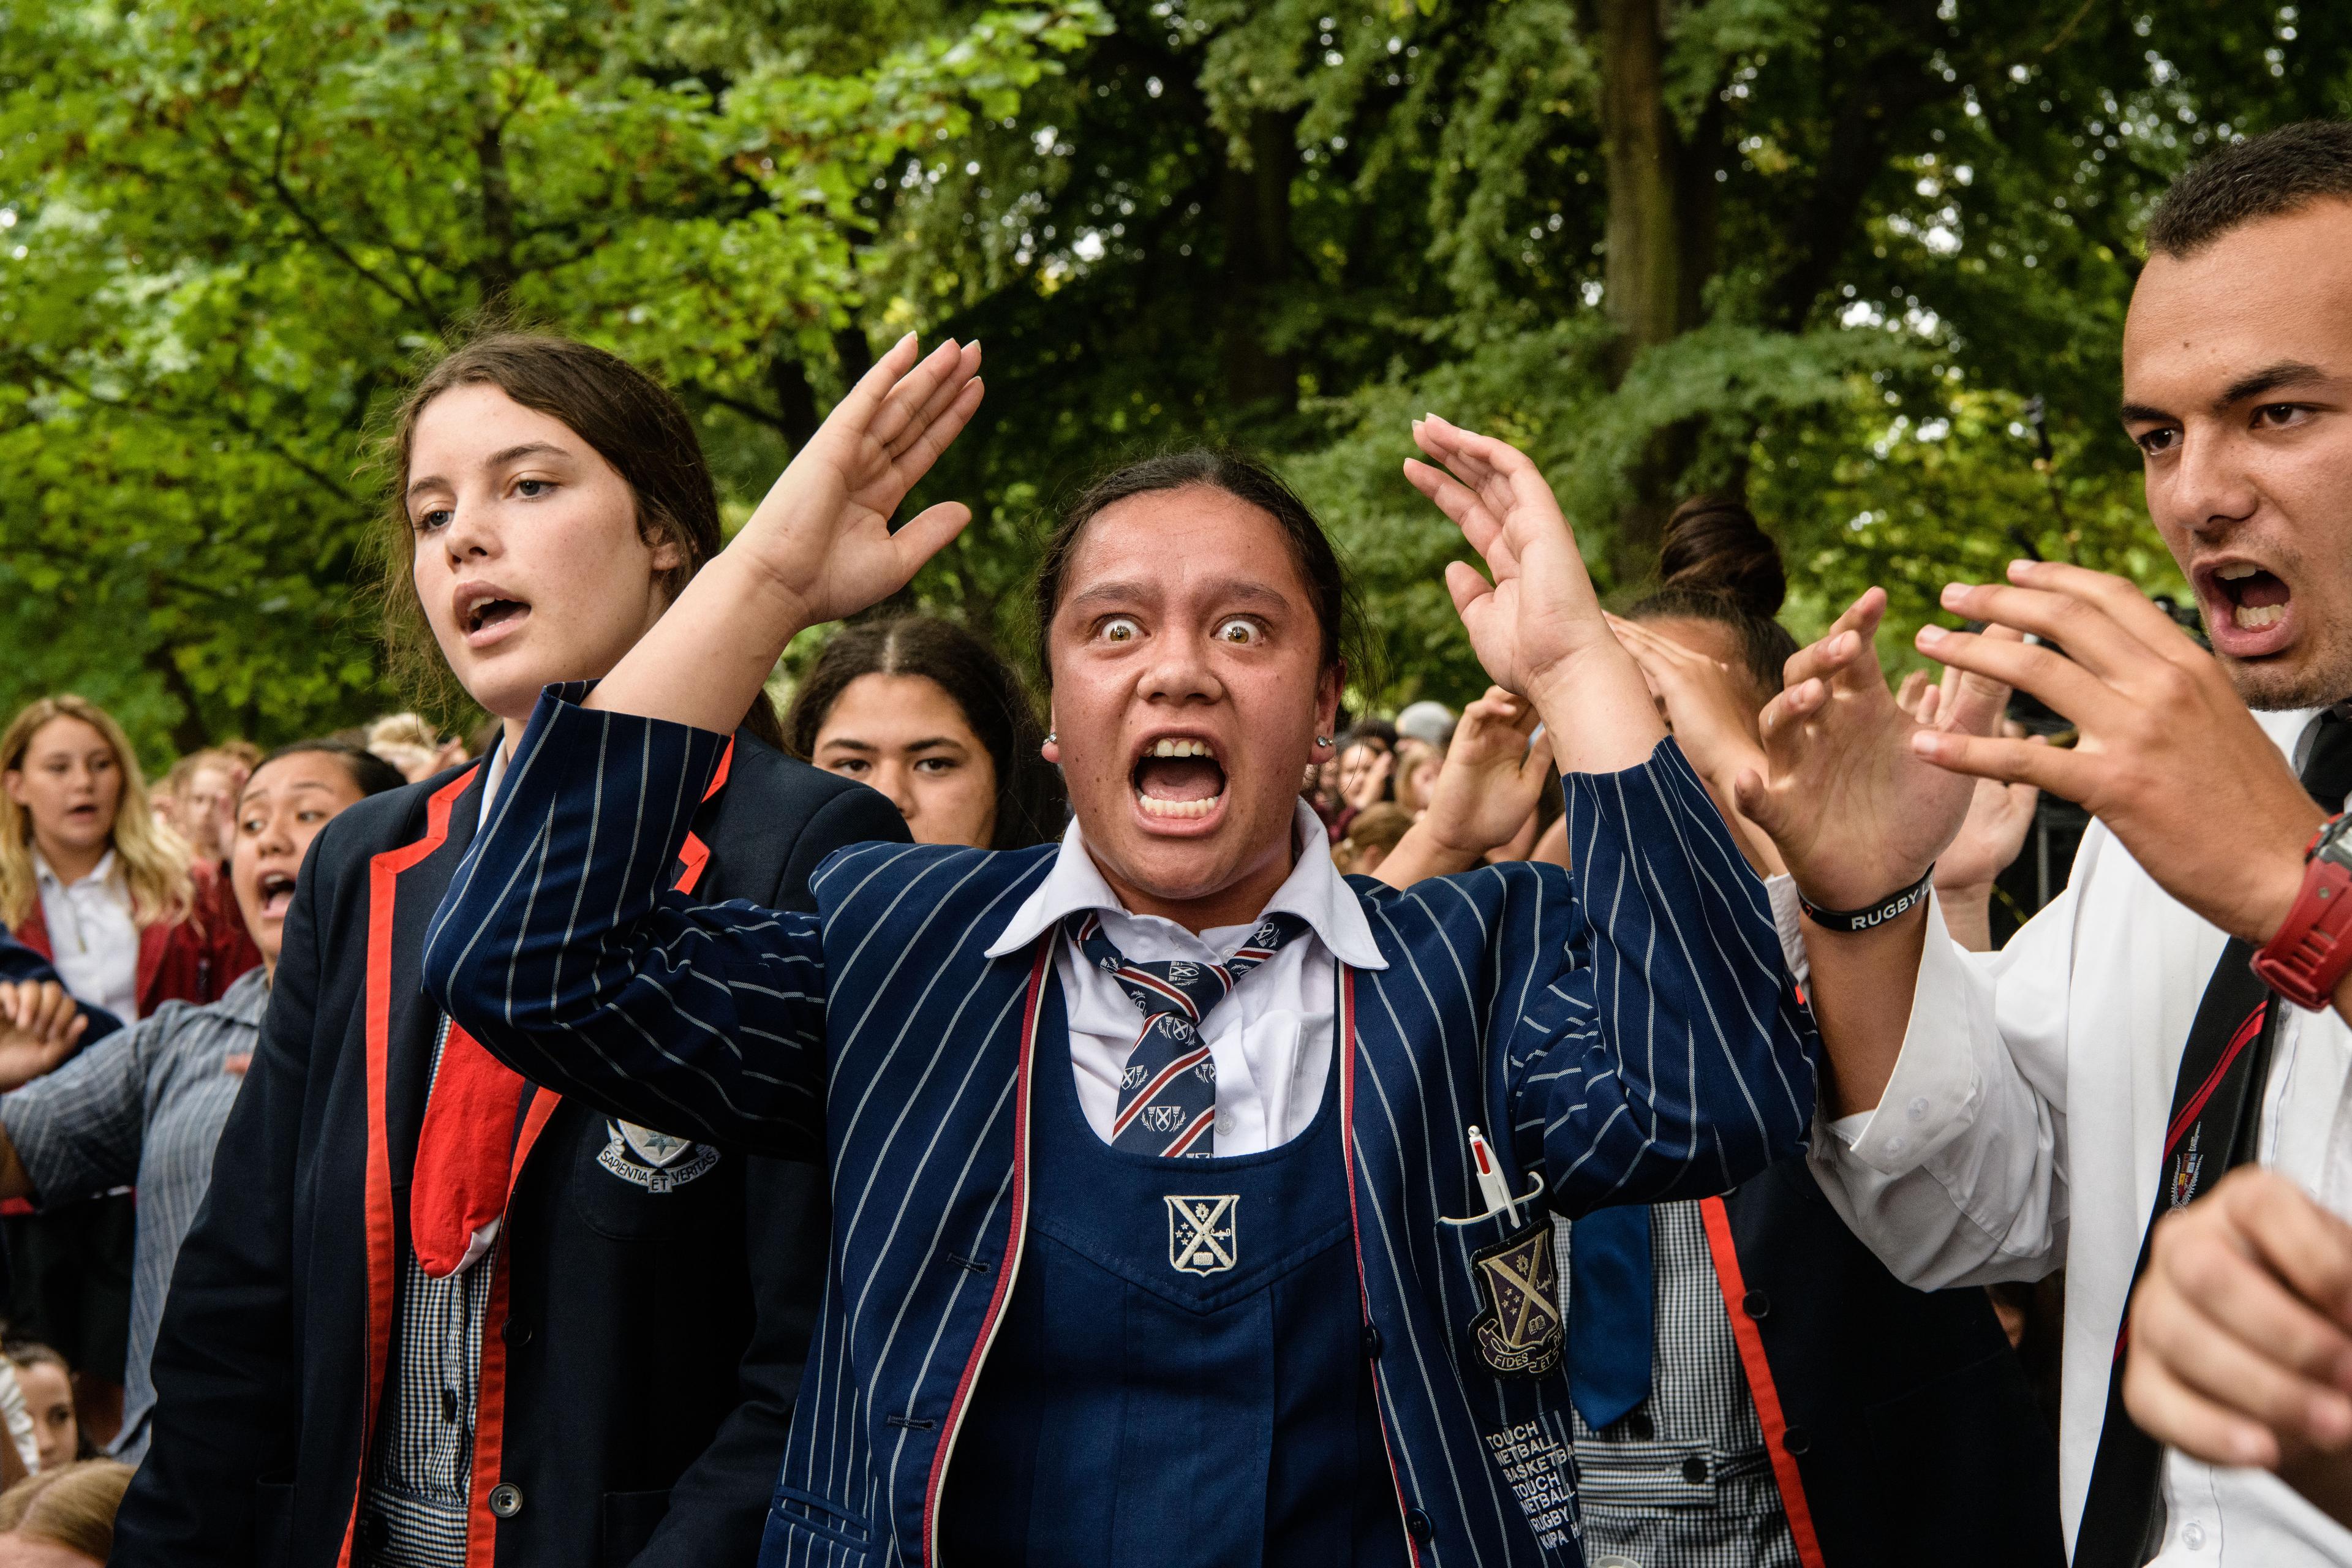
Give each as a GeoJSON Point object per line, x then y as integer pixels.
{"type": "Point", "coordinates": [1201, 1233]}
{"type": "Point", "coordinates": [1521, 1333]}
{"type": "Point", "coordinates": [653, 1161]}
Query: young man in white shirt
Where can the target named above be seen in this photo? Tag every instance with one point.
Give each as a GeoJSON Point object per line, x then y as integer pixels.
{"type": "Point", "coordinates": [1996, 1117]}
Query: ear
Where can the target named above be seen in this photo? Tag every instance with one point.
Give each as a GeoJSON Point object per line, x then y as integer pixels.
{"type": "Point", "coordinates": [1326, 711]}
{"type": "Point", "coordinates": [667, 557]}
{"type": "Point", "coordinates": [1052, 750]}
{"type": "Point", "coordinates": [14, 780]}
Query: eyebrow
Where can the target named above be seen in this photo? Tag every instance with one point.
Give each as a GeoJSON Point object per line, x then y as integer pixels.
{"type": "Point", "coordinates": [297, 783]}
{"type": "Point", "coordinates": [847, 744]}
{"type": "Point", "coordinates": [2253, 384]}
{"type": "Point", "coordinates": [1228, 588]}
{"type": "Point", "coordinates": [499, 459]}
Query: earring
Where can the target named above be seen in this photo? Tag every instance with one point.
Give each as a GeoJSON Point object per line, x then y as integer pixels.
{"type": "Point", "coordinates": [1322, 740]}
{"type": "Point", "coordinates": [1051, 737]}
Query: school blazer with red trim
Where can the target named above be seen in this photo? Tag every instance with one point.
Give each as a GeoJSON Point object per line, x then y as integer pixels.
{"type": "Point", "coordinates": [1634, 1029]}
{"type": "Point", "coordinates": [653, 1342]}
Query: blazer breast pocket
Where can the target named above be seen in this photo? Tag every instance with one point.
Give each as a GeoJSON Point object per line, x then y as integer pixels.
{"type": "Point", "coordinates": [636, 1184]}
{"type": "Point", "coordinates": [806, 1528]}
{"type": "Point", "coordinates": [1513, 1271]}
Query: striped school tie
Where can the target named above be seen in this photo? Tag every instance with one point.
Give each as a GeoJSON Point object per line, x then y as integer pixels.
{"type": "Point", "coordinates": [1168, 1094]}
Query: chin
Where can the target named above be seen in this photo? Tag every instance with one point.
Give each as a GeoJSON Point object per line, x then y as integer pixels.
{"type": "Point", "coordinates": [2283, 682]}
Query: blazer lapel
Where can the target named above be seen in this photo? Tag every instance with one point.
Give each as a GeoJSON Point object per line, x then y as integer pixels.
{"type": "Point", "coordinates": [419, 874]}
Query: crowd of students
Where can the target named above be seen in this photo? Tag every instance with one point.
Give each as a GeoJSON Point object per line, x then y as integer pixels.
{"type": "Point", "coordinates": [1139, 1114]}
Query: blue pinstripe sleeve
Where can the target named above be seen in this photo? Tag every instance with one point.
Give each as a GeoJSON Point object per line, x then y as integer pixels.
{"type": "Point", "coordinates": [560, 947]}
{"type": "Point", "coordinates": [1664, 1055]}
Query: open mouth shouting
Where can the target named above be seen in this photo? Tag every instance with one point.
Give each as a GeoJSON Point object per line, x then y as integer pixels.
{"type": "Point", "coordinates": [2249, 609]}
{"type": "Point", "coordinates": [277, 888]}
{"type": "Point", "coordinates": [487, 614]}
{"type": "Point", "coordinates": [1179, 782]}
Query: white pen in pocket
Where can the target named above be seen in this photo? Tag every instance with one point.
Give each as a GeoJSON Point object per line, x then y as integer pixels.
{"type": "Point", "coordinates": [1493, 1185]}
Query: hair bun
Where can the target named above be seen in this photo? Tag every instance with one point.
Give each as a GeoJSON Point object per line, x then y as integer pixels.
{"type": "Point", "coordinates": [1713, 545]}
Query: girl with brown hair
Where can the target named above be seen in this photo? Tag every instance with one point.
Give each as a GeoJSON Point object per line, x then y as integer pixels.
{"type": "Point", "coordinates": [419, 1337]}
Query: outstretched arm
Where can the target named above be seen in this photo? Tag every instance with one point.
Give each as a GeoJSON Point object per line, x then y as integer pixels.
{"type": "Point", "coordinates": [1658, 1050]}
{"type": "Point", "coordinates": [819, 547]}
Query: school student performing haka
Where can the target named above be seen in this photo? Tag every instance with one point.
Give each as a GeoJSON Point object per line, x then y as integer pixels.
{"type": "Point", "coordinates": [1157, 1232]}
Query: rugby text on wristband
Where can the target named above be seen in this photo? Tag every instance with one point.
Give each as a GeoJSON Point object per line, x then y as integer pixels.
{"type": "Point", "coordinates": [1869, 915]}
{"type": "Point", "coordinates": [2312, 947]}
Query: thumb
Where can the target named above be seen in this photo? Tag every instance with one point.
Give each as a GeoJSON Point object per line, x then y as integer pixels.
{"type": "Point", "coordinates": [926, 534]}
{"type": "Point", "coordinates": [1976, 704]}
{"type": "Point", "coordinates": [1755, 802]}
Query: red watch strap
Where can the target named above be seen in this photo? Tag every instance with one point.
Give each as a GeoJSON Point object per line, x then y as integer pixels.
{"type": "Point", "coordinates": [2311, 951]}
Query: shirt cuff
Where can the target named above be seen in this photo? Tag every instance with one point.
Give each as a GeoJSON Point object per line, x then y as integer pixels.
{"type": "Point", "coordinates": [1786, 912]}
{"type": "Point", "coordinates": [1936, 1087]}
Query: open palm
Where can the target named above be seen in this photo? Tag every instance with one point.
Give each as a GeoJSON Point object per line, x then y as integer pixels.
{"type": "Point", "coordinates": [822, 532]}
{"type": "Point", "coordinates": [1540, 610]}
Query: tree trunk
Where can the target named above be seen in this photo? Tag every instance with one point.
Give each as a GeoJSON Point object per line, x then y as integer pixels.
{"type": "Point", "coordinates": [1256, 204]}
{"type": "Point", "coordinates": [1660, 245]}
{"type": "Point", "coordinates": [496, 267]}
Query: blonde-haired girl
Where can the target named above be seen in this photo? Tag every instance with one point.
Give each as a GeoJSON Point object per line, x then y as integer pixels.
{"type": "Point", "coordinates": [90, 880]}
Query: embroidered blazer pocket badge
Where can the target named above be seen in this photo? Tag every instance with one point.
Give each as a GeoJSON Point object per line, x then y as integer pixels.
{"type": "Point", "coordinates": [653, 1161]}
{"type": "Point", "coordinates": [1521, 1333]}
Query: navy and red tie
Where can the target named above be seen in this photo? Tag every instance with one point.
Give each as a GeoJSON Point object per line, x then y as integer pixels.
{"type": "Point", "coordinates": [1168, 1093]}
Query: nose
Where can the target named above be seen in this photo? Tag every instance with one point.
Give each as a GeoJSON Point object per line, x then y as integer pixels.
{"type": "Point", "coordinates": [468, 535]}
{"type": "Point", "coordinates": [2211, 488]}
{"type": "Point", "coordinates": [276, 841]}
{"type": "Point", "coordinates": [1179, 670]}
{"type": "Point", "coordinates": [895, 781]}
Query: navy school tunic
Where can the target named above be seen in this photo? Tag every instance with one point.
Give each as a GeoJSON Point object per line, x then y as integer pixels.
{"type": "Point", "coordinates": [1181, 1376]}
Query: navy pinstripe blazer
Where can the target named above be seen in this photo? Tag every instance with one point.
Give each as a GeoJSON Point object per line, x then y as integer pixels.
{"type": "Point", "coordinates": [1634, 1029]}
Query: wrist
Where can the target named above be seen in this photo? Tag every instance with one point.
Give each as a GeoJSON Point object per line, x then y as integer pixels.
{"type": "Point", "coordinates": [1889, 908]}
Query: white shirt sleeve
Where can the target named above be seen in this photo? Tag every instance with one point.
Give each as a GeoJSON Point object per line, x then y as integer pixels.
{"type": "Point", "coordinates": [1956, 1177]}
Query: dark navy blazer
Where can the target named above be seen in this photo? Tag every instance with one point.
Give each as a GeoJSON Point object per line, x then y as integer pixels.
{"type": "Point", "coordinates": [1635, 1031]}
{"type": "Point", "coordinates": [642, 1349]}
{"type": "Point", "coordinates": [19, 964]}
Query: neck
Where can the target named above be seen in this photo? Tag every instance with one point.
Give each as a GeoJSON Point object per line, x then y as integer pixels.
{"type": "Point", "coordinates": [1238, 903]}
{"type": "Point", "coordinates": [71, 865]}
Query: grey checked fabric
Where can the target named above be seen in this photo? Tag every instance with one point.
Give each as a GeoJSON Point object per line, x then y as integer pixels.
{"type": "Point", "coordinates": [418, 1489]}
{"type": "Point", "coordinates": [141, 1107]}
{"type": "Point", "coordinates": [1685, 1480]}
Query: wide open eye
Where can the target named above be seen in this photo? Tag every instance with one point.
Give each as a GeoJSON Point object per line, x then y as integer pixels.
{"type": "Point", "coordinates": [1119, 630]}
{"type": "Point", "coordinates": [1239, 630]}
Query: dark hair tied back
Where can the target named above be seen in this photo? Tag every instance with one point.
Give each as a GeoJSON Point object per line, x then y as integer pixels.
{"type": "Point", "coordinates": [1718, 565]}
{"type": "Point", "coordinates": [1248, 480]}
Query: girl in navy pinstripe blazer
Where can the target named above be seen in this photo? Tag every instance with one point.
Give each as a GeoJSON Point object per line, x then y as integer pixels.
{"type": "Point", "coordinates": [1331, 1341]}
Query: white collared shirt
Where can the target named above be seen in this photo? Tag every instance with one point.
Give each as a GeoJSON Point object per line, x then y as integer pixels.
{"type": "Point", "coordinates": [1271, 1039]}
{"type": "Point", "coordinates": [93, 939]}
{"type": "Point", "coordinates": [2023, 1130]}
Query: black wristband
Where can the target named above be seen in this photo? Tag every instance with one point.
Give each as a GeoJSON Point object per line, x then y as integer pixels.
{"type": "Point", "coordinates": [1870, 916]}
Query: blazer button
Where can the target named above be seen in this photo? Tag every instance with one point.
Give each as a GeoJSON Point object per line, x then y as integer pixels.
{"type": "Point", "coordinates": [515, 1332]}
{"type": "Point", "coordinates": [1417, 1525]}
{"type": "Point", "coordinates": [1796, 1440]}
{"type": "Point", "coordinates": [505, 1500]}
{"type": "Point", "coordinates": [1371, 1342]}
{"type": "Point", "coordinates": [1694, 1471]}
{"type": "Point", "coordinates": [1755, 1304]}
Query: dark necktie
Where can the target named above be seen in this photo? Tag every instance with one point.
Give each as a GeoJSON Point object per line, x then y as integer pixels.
{"type": "Point", "coordinates": [1168, 1093]}
{"type": "Point", "coordinates": [1611, 1314]}
{"type": "Point", "coordinates": [2217, 1105]}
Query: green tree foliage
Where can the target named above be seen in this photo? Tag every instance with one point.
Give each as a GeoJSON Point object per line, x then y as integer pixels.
{"type": "Point", "coordinates": [1820, 253]}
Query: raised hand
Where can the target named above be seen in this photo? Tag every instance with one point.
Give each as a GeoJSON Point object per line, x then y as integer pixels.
{"type": "Point", "coordinates": [1714, 721]}
{"type": "Point", "coordinates": [1537, 626]}
{"type": "Point", "coordinates": [819, 547]}
{"type": "Point", "coordinates": [2165, 738]}
{"type": "Point", "coordinates": [40, 1026]}
{"type": "Point", "coordinates": [1856, 813]}
{"type": "Point", "coordinates": [822, 532]}
{"type": "Point", "coordinates": [1485, 794]}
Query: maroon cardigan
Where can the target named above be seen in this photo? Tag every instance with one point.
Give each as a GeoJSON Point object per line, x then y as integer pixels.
{"type": "Point", "coordinates": [191, 960]}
